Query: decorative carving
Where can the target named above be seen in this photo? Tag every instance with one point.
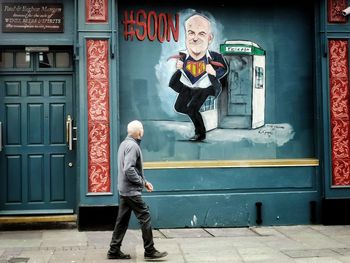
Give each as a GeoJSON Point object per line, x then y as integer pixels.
{"type": "Point", "coordinates": [96, 11]}
{"type": "Point", "coordinates": [335, 8]}
{"type": "Point", "coordinates": [341, 168]}
{"type": "Point", "coordinates": [339, 100]}
{"type": "Point", "coordinates": [98, 116]}
{"type": "Point", "coordinates": [339, 109]}
{"type": "Point", "coordinates": [340, 138]}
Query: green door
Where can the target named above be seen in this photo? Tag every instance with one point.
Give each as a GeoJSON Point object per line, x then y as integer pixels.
{"type": "Point", "coordinates": [37, 168]}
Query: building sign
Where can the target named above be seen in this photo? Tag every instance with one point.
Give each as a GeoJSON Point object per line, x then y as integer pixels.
{"type": "Point", "coordinates": [32, 17]}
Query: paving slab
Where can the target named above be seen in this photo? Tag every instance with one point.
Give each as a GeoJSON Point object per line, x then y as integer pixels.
{"type": "Point", "coordinates": [185, 233]}
{"type": "Point", "coordinates": [310, 253]}
{"type": "Point", "coordinates": [100, 256]}
{"type": "Point", "coordinates": [342, 251]}
{"type": "Point", "coordinates": [280, 244]}
{"type": "Point", "coordinates": [332, 230]}
{"type": "Point", "coordinates": [319, 260]}
{"type": "Point", "coordinates": [266, 231]}
{"type": "Point", "coordinates": [38, 256]}
{"type": "Point", "coordinates": [231, 232]}
{"type": "Point", "coordinates": [344, 259]}
{"type": "Point", "coordinates": [15, 235]}
{"type": "Point", "coordinates": [76, 256]}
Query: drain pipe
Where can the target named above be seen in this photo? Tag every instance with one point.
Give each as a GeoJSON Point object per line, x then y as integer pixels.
{"type": "Point", "coordinates": [258, 206]}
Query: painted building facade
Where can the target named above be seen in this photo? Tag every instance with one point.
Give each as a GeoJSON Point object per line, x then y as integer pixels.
{"type": "Point", "coordinates": [273, 124]}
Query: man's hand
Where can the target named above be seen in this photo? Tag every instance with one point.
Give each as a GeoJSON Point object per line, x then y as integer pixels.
{"type": "Point", "coordinates": [210, 70]}
{"type": "Point", "coordinates": [179, 64]}
{"type": "Point", "coordinates": [149, 187]}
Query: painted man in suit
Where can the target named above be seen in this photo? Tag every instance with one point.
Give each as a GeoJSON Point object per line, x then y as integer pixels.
{"type": "Point", "coordinates": [198, 72]}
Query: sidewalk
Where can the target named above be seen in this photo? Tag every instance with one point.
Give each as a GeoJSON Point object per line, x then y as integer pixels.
{"type": "Point", "coordinates": [309, 243]}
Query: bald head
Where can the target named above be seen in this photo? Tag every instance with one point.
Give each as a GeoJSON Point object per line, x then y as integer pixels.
{"type": "Point", "coordinates": [135, 129]}
{"type": "Point", "coordinates": [196, 19]}
{"type": "Point", "coordinates": [198, 35]}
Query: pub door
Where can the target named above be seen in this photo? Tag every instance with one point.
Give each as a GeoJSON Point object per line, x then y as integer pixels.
{"type": "Point", "coordinates": [37, 169]}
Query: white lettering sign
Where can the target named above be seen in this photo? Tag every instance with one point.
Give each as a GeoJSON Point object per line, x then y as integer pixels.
{"type": "Point", "coordinates": [241, 49]}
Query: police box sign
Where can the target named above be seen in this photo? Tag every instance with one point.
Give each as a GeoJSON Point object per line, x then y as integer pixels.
{"type": "Point", "coordinates": [238, 49]}
{"type": "Point", "coordinates": [27, 17]}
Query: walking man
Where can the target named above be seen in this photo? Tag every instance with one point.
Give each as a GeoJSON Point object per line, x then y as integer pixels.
{"type": "Point", "coordinates": [131, 182]}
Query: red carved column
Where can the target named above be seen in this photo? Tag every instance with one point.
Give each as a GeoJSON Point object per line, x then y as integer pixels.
{"type": "Point", "coordinates": [96, 11]}
{"type": "Point", "coordinates": [98, 116]}
{"type": "Point", "coordinates": [339, 109]}
{"type": "Point", "coordinates": [335, 8]}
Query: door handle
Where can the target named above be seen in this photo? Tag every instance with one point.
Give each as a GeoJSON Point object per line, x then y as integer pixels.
{"type": "Point", "coordinates": [0, 136]}
{"type": "Point", "coordinates": [69, 132]}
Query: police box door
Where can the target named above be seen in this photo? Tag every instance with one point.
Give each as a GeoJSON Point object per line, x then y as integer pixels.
{"type": "Point", "coordinates": [36, 165]}
{"type": "Point", "coordinates": [245, 94]}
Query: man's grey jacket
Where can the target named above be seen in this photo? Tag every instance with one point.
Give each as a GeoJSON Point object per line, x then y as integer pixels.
{"type": "Point", "coordinates": [131, 179]}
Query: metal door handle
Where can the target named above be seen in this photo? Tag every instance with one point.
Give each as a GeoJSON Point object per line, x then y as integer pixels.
{"type": "Point", "coordinates": [69, 132]}
{"type": "Point", "coordinates": [0, 136]}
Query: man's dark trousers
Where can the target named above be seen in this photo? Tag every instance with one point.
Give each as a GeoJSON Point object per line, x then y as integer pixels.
{"type": "Point", "coordinates": [141, 211]}
{"type": "Point", "coordinates": [190, 100]}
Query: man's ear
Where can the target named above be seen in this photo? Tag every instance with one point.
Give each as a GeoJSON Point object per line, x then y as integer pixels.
{"type": "Point", "coordinates": [211, 37]}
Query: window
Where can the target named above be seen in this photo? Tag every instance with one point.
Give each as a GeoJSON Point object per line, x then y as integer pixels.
{"type": "Point", "coordinates": [22, 60]}
{"type": "Point", "coordinates": [63, 60]}
{"type": "Point", "coordinates": [14, 59]}
{"type": "Point", "coordinates": [6, 59]}
{"type": "Point", "coordinates": [46, 60]}
{"type": "Point", "coordinates": [58, 59]}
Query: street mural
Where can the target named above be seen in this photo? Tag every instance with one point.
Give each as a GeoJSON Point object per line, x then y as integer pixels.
{"type": "Point", "coordinates": [240, 105]}
{"type": "Point", "coordinates": [198, 73]}
{"type": "Point", "coordinates": [207, 87]}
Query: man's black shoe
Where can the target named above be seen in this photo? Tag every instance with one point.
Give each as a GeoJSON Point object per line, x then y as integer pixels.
{"type": "Point", "coordinates": [197, 138]}
{"type": "Point", "coordinates": [118, 255]}
{"type": "Point", "coordinates": [155, 254]}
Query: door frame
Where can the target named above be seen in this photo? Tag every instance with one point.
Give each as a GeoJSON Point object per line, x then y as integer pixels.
{"type": "Point", "coordinates": [34, 70]}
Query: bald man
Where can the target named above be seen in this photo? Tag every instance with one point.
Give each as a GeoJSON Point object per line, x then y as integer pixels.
{"type": "Point", "coordinates": [198, 72]}
{"type": "Point", "coordinates": [131, 182]}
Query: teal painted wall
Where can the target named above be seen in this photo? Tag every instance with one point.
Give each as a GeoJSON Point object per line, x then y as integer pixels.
{"type": "Point", "coordinates": [226, 196]}
{"type": "Point", "coordinates": [223, 196]}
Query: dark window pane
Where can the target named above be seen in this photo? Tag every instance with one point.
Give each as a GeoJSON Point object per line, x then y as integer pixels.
{"type": "Point", "coordinates": [6, 60]}
{"type": "Point", "coordinates": [46, 60]}
{"type": "Point", "coordinates": [63, 60]}
{"type": "Point", "coordinates": [21, 60]}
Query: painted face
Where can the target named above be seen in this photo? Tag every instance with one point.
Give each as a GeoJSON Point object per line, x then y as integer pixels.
{"type": "Point", "coordinates": [198, 36]}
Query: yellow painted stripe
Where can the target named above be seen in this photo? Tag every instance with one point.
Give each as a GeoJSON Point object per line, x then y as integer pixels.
{"type": "Point", "coordinates": [232, 163]}
{"type": "Point", "coordinates": [37, 219]}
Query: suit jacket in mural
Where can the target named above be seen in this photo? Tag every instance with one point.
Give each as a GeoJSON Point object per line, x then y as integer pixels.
{"type": "Point", "coordinates": [194, 75]}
